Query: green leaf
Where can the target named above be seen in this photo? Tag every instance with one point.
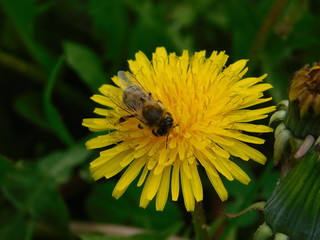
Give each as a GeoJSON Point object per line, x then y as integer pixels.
{"type": "Point", "coordinates": [245, 18]}
{"type": "Point", "coordinates": [86, 64]}
{"type": "Point", "coordinates": [150, 31]}
{"type": "Point", "coordinates": [5, 168]}
{"type": "Point", "coordinates": [52, 114]}
{"type": "Point", "coordinates": [12, 226]}
{"type": "Point", "coordinates": [148, 42]}
{"type": "Point", "coordinates": [110, 21]}
{"type": "Point", "coordinates": [59, 165]}
{"type": "Point", "coordinates": [184, 15]}
{"type": "Point", "coordinates": [28, 105]}
{"type": "Point", "coordinates": [34, 197]}
{"type": "Point", "coordinates": [22, 15]}
{"type": "Point", "coordinates": [102, 207]}
{"type": "Point", "coordinates": [24, 190]}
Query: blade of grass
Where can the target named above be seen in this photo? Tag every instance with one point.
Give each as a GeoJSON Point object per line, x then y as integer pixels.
{"type": "Point", "coordinates": [86, 64]}
{"type": "Point", "coordinates": [52, 114]}
{"type": "Point", "coordinates": [22, 15]}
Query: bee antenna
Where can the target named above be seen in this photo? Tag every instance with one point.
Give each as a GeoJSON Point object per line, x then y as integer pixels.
{"type": "Point", "coordinates": [167, 141]}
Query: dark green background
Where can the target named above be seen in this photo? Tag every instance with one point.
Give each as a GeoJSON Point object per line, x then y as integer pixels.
{"type": "Point", "coordinates": [54, 55]}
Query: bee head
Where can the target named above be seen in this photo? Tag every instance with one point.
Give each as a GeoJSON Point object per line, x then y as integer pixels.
{"type": "Point", "coordinates": [165, 126]}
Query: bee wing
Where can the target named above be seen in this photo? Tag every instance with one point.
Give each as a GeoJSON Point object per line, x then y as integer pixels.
{"type": "Point", "coordinates": [124, 79]}
{"type": "Point", "coordinates": [139, 95]}
{"type": "Point", "coordinates": [123, 111]}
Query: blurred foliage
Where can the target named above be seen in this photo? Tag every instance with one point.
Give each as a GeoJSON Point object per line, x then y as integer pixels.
{"type": "Point", "coordinates": [54, 54]}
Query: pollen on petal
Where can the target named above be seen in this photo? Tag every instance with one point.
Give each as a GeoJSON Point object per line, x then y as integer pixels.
{"type": "Point", "coordinates": [236, 67]}
{"type": "Point", "coordinates": [252, 127]}
{"type": "Point", "coordinates": [153, 186]}
{"type": "Point", "coordinates": [172, 157]}
{"type": "Point", "coordinates": [103, 100]}
{"type": "Point", "coordinates": [252, 101]}
{"type": "Point", "coordinates": [246, 152]}
{"type": "Point", "coordinates": [98, 167]}
{"type": "Point", "coordinates": [150, 189]}
{"type": "Point", "coordinates": [250, 81]}
{"type": "Point", "coordinates": [158, 169]}
{"type": "Point", "coordinates": [109, 90]}
{"type": "Point", "coordinates": [181, 150]}
{"type": "Point", "coordinates": [140, 152]}
{"type": "Point", "coordinates": [98, 124]}
{"type": "Point", "coordinates": [248, 139]}
{"type": "Point", "coordinates": [130, 174]}
{"type": "Point", "coordinates": [163, 191]}
{"type": "Point", "coordinates": [216, 163]}
{"type": "Point", "coordinates": [206, 164]}
{"type": "Point", "coordinates": [117, 194]}
{"type": "Point", "coordinates": [113, 169]}
{"type": "Point", "coordinates": [103, 112]}
{"type": "Point", "coordinates": [222, 167]}
{"type": "Point", "coordinates": [218, 186]}
{"type": "Point", "coordinates": [238, 173]}
{"type": "Point", "coordinates": [127, 159]}
{"type": "Point", "coordinates": [151, 164]}
{"type": "Point", "coordinates": [163, 156]}
{"type": "Point", "coordinates": [143, 176]}
{"type": "Point", "coordinates": [144, 201]}
{"type": "Point", "coordinates": [186, 169]}
{"type": "Point", "coordinates": [101, 141]}
{"type": "Point", "coordinates": [196, 183]}
{"type": "Point", "coordinates": [175, 185]}
{"type": "Point", "coordinates": [108, 169]}
{"type": "Point", "coordinates": [189, 199]}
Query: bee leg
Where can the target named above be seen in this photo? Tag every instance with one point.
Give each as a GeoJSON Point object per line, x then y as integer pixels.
{"type": "Point", "coordinates": [155, 133]}
{"type": "Point", "coordinates": [123, 119]}
{"type": "Point", "coordinates": [140, 126]}
{"type": "Point", "coordinates": [167, 141]}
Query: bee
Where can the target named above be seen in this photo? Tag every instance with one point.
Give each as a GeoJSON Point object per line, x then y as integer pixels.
{"type": "Point", "coordinates": [150, 112]}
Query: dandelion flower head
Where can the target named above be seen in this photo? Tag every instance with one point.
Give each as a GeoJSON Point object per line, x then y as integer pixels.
{"type": "Point", "coordinates": [208, 102]}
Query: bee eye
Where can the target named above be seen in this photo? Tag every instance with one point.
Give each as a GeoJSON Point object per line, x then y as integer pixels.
{"type": "Point", "coordinates": [169, 121]}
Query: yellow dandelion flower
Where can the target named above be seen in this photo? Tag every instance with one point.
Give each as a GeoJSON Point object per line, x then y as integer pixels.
{"type": "Point", "coordinates": [205, 118]}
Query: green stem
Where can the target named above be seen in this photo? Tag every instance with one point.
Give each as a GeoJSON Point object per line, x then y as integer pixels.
{"type": "Point", "coordinates": [199, 222]}
{"type": "Point", "coordinates": [266, 26]}
{"type": "Point", "coordinates": [33, 73]}
{"type": "Point", "coordinates": [21, 66]}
